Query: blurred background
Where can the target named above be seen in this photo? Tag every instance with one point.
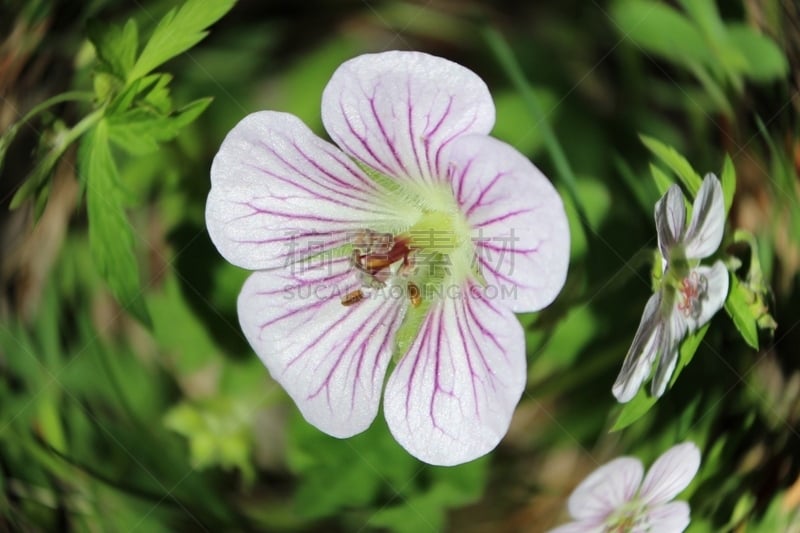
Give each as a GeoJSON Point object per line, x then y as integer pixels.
{"type": "Point", "coordinates": [129, 399]}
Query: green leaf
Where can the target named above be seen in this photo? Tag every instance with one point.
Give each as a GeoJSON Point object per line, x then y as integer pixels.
{"type": "Point", "coordinates": [714, 90]}
{"type": "Point", "coordinates": [514, 124]}
{"type": "Point", "coordinates": [181, 336]}
{"type": "Point", "coordinates": [427, 510]}
{"type": "Point", "coordinates": [335, 474]}
{"type": "Point", "coordinates": [115, 47]}
{"type": "Point", "coordinates": [178, 31]}
{"type": "Point", "coordinates": [676, 162]}
{"type": "Point", "coordinates": [738, 308]}
{"type": "Point", "coordinates": [139, 131]}
{"type": "Point", "coordinates": [643, 401]}
{"type": "Point", "coordinates": [110, 236]}
{"type": "Point", "coordinates": [764, 60]}
{"type": "Point", "coordinates": [219, 431]}
{"type": "Point", "coordinates": [508, 62]}
{"type": "Point", "coordinates": [661, 30]}
{"type": "Point", "coordinates": [663, 182]}
{"type": "Point", "coordinates": [63, 139]}
{"type": "Point", "coordinates": [124, 100]}
{"type": "Point", "coordinates": [706, 15]}
{"type": "Point", "coordinates": [728, 182]}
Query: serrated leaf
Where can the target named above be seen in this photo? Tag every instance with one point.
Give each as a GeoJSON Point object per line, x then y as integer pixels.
{"type": "Point", "coordinates": [158, 97]}
{"type": "Point", "coordinates": [125, 99]}
{"type": "Point", "coordinates": [115, 46]}
{"type": "Point", "coordinates": [643, 401]}
{"type": "Point", "coordinates": [189, 113]}
{"type": "Point", "coordinates": [111, 239]}
{"type": "Point", "coordinates": [737, 305]}
{"type": "Point", "coordinates": [675, 161]}
{"type": "Point", "coordinates": [139, 131]}
{"type": "Point", "coordinates": [178, 31]}
{"type": "Point", "coordinates": [662, 30]}
{"type": "Point", "coordinates": [763, 59]}
{"type": "Point", "coordinates": [728, 182]}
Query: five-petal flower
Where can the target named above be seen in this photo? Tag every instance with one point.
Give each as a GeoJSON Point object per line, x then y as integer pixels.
{"type": "Point", "coordinates": [417, 237]}
{"type": "Point", "coordinates": [689, 294]}
{"type": "Point", "coordinates": [614, 497]}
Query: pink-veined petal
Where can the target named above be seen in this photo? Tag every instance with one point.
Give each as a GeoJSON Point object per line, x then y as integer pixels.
{"type": "Point", "coordinates": [518, 222]}
{"type": "Point", "coordinates": [668, 518]}
{"type": "Point", "coordinates": [451, 397]}
{"type": "Point", "coordinates": [329, 357]}
{"type": "Point", "coordinates": [644, 348]}
{"type": "Point", "coordinates": [585, 526]}
{"type": "Point", "coordinates": [606, 489]}
{"type": "Point", "coordinates": [396, 110]}
{"type": "Point", "coordinates": [716, 280]}
{"type": "Point", "coordinates": [674, 328]}
{"type": "Point", "coordinates": [279, 194]}
{"type": "Point", "coordinates": [670, 215]}
{"type": "Point", "coordinates": [708, 220]}
{"type": "Point", "coordinates": [670, 474]}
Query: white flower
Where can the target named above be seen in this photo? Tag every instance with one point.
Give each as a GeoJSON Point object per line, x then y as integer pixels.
{"type": "Point", "coordinates": [689, 295]}
{"type": "Point", "coordinates": [418, 237]}
{"type": "Point", "coordinates": [613, 499]}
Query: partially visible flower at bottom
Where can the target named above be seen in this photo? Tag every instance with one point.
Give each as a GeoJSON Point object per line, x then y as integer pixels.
{"type": "Point", "coordinates": [615, 499]}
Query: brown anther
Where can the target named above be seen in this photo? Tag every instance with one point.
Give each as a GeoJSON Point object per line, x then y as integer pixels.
{"type": "Point", "coordinates": [414, 294]}
{"type": "Point", "coordinates": [352, 297]}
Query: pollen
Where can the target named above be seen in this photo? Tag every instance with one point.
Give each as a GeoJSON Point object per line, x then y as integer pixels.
{"type": "Point", "coordinates": [693, 290]}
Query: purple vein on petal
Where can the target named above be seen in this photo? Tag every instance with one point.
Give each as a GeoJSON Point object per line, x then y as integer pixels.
{"type": "Point", "coordinates": [449, 140]}
{"type": "Point", "coordinates": [463, 335]}
{"type": "Point", "coordinates": [389, 142]}
{"type": "Point", "coordinates": [501, 218]}
{"type": "Point", "coordinates": [461, 180]}
{"type": "Point", "coordinates": [479, 200]}
{"type": "Point", "coordinates": [502, 277]}
{"type": "Point", "coordinates": [341, 188]}
{"type": "Point", "coordinates": [364, 142]}
{"type": "Point", "coordinates": [426, 331]}
{"type": "Point", "coordinates": [299, 216]}
{"type": "Point", "coordinates": [483, 243]}
{"type": "Point", "coordinates": [340, 184]}
{"type": "Point", "coordinates": [411, 139]}
{"type": "Point", "coordinates": [356, 358]}
{"type": "Point", "coordinates": [437, 361]}
{"type": "Point", "coordinates": [314, 193]}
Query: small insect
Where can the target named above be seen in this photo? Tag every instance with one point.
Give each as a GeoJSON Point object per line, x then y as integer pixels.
{"type": "Point", "coordinates": [414, 294]}
{"type": "Point", "coordinates": [352, 297]}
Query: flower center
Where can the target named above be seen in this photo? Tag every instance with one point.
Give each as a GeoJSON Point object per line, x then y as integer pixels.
{"type": "Point", "coordinates": [435, 251]}
{"type": "Point", "coordinates": [693, 289]}
{"type": "Point", "coordinates": [626, 518]}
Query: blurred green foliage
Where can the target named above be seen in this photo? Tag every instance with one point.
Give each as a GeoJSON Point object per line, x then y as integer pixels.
{"type": "Point", "coordinates": [131, 401]}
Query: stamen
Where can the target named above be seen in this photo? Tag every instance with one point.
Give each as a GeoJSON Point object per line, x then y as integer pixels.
{"type": "Point", "coordinates": [373, 254]}
{"type": "Point", "coordinates": [352, 297]}
{"type": "Point", "coordinates": [414, 294]}
{"type": "Point", "coordinates": [693, 290]}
